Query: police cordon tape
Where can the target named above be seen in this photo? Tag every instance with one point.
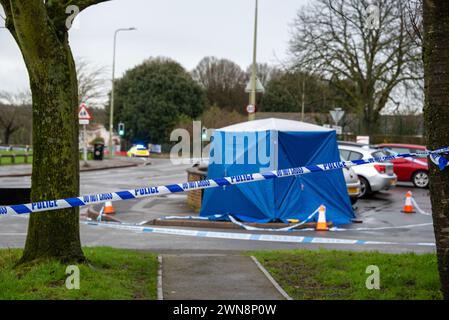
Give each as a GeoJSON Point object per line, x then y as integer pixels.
{"type": "Point", "coordinates": [248, 236]}
{"type": "Point", "coordinates": [418, 208]}
{"type": "Point", "coordinates": [208, 183]}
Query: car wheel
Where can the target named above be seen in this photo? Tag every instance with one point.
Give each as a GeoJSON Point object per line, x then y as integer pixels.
{"type": "Point", "coordinates": [365, 188]}
{"type": "Point", "coordinates": [420, 179]}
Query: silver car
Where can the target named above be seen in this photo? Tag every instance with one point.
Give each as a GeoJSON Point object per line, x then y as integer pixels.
{"type": "Point", "coordinates": [374, 176]}
{"type": "Point", "coordinates": [352, 184]}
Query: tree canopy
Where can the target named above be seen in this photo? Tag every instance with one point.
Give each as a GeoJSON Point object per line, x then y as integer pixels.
{"type": "Point", "coordinates": [224, 83]}
{"type": "Point", "coordinates": [151, 97]}
{"type": "Point", "coordinates": [284, 94]}
{"type": "Point", "coordinates": [363, 47]}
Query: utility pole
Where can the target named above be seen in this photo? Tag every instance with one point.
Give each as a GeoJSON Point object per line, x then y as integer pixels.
{"type": "Point", "coordinates": [252, 95]}
{"type": "Point", "coordinates": [111, 111]}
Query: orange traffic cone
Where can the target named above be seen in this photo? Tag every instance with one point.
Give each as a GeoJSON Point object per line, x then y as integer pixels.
{"type": "Point", "coordinates": [108, 208]}
{"type": "Point", "coordinates": [321, 225]}
{"type": "Point", "coordinates": [408, 206]}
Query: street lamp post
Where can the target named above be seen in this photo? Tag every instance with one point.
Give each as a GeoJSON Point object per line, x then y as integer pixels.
{"type": "Point", "coordinates": [252, 95]}
{"type": "Point", "coordinates": [111, 111]}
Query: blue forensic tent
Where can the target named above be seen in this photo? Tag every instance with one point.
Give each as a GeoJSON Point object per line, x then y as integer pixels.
{"type": "Point", "coordinates": [273, 144]}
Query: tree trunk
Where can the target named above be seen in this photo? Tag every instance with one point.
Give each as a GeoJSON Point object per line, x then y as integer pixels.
{"type": "Point", "coordinates": [6, 135]}
{"type": "Point", "coordinates": [370, 119]}
{"type": "Point", "coordinates": [436, 115]}
{"type": "Point", "coordinates": [52, 75]}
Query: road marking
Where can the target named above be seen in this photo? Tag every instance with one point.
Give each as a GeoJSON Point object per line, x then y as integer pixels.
{"type": "Point", "coordinates": [248, 236]}
{"type": "Point", "coordinates": [271, 279]}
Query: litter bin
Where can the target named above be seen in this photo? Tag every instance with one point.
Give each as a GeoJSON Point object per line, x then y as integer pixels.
{"type": "Point", "coordinates": [98, 151]}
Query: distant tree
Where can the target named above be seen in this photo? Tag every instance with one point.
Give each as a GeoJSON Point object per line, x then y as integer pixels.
{"type": "Point", "coordinates": [284, 94]}
{"type": "Point", "coordinates": [151, 97]}
{"type": "Point", "coordinates": [92, 83]}
{"type": "Point", "coordinates": [9, 122]}
{"type": "Point", "coordinates": [216, 118]}
{"type": "Point", "coordinates": [265, 73]}
{"type": "Point", "coordinates": [224, 83]}
{"type": "Point", "coordinates": [15, 114]}
{"type": "Point", "coordinates": [365, 44]}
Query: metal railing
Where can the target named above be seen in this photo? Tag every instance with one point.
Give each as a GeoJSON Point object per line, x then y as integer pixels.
{"type": "Point", "coordinates": [13, 158]}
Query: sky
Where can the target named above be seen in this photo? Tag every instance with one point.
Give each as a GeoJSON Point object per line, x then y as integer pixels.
{"type": "Point", "coordinates": [184, 30]}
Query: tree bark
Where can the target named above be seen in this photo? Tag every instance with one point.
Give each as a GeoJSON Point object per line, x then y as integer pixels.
{"type": "Point", "coordinates": [47, 55]}
{"type": "Point", "coordinates": [436, 114]}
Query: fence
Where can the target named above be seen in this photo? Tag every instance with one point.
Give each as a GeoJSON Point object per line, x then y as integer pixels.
{"type": "Point", "coordinates": [13, 158]}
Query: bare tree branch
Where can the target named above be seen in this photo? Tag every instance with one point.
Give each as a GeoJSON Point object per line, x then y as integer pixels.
{"type": "Point", "coordinates": [92, 83]}
{"type": "Point", "coordinates": [335, 38]}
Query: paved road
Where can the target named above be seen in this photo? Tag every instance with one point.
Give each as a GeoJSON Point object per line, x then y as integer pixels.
{"type": "Point", "coordinates": [381, 211]}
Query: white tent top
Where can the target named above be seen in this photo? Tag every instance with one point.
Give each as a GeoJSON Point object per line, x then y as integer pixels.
{"type": "Point", "coordinates": [274, 124]}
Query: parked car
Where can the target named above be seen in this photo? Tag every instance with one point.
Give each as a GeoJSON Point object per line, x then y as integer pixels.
{"type": "Point", "coordinates": [415, 170]}
{"type": "Point", "coordinates": [356, 144]}
{"type": "Point", "coordinates": [374, 176]}
{"type": "Point", "coordinates": [138, 151]}
{"type": "Point", "coordinates": [352, 184]}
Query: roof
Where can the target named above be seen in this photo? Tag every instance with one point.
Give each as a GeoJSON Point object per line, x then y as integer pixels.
{"type": "Point", "coordinates": [274, 124]}
{"type": "Point", "coordinates": [367, 151]}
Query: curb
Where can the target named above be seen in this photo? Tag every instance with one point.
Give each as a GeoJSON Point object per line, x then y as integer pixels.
{"type": "Point", "coordinates": [271, 279]}
{"type": "Point", "coordinates": [160, 292]}
{"type": "Point", "coordinates": [222, 224]}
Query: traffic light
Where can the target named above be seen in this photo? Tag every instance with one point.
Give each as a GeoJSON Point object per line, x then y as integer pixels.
{"type": "Point", "coordinates": [204, 134]}
{"type": "Point", "coordinates": [121, 129]}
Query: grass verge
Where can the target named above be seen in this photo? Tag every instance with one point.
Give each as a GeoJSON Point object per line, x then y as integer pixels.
{"type": "Point", "coordinates": [330, 274]}
{"type": "Point", "coordinates": [112, 274]}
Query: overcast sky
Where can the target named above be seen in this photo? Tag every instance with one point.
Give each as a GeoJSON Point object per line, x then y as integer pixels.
{"type": "Point", "coordinates": [185, 30]}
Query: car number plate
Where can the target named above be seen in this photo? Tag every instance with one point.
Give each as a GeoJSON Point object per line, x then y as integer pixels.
{"type": "Point", "coordinates": [353, 190]}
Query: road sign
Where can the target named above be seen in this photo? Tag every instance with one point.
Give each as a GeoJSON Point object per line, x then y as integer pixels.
{"type": "Point", "coordinates": [83, 113]}
{"type": "Point", "coordinates": [337, 114]}
{"type": "Point", "coordinates": [362, 139]}
{"type": "Point", "coordinates": [84, 117]}
{"type": "Point", "coordinates": [251, 108]}
{"type": "Point", "coordinates": [338, 129]}
{"type": "Point", "coordinates": [259, 86]}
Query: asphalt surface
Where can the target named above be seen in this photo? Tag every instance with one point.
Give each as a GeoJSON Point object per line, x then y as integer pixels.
{"type": "Point", "coordinates": [381, 211]}
{"type": "Point", "coordinates": [235, 277]}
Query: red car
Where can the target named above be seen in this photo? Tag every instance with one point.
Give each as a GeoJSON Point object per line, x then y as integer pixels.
{"type": "Point", "coordinates": [414, 169]}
